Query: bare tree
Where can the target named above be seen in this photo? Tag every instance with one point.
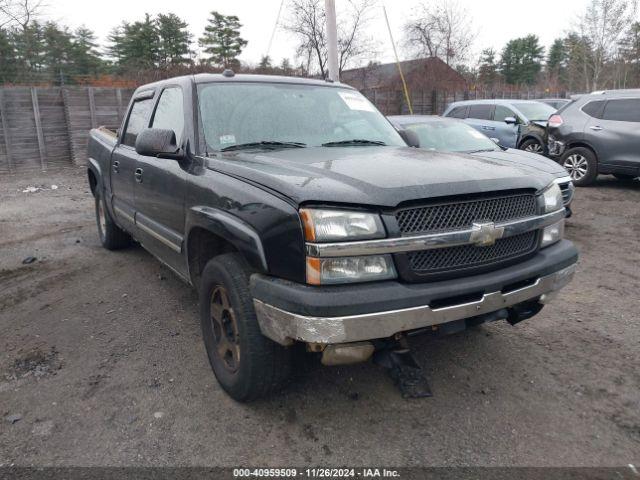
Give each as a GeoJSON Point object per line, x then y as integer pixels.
{"type": "Point", "coordinates": [441, 29]}
{"type": "Point", "coordinates": [602, 26]}
{"type": "Point", "coordinates": [18, 13]}
{"type": "Point", "coordinates": [307, 22]}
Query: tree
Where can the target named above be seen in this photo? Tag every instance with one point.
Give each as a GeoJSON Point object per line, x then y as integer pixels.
{"type": "Point", "coordinates": [488, 67]}
{"type": "Point", "coordinates": [521, 60]}
{"type": "Point", "coordinates": [56, 52]}
{"type": "Point", "coordinates": [265, 62]}
{"type": "Point", "coordinates": [8, 59]}
{"type": "Point", "coordinates": [307, 22]}
{"type": "Point", "coordinates": [18, 13]}
{"type": "Point", "coordinates": [442, 30]}
{"type": "Point", "coordinates": [285, 66]}
{"type": "Point", "coordinates": [175, 40]}
{"type": "Point", "coordinates": [602, 26]}
{"type": "Point", "coordinates": [557, 57]}
{"type": "Point", "coordinates": [222, 40]}
{"type": "Point", "coordinates": [84, 53]}
{"type": "Point", "coordinates": [136, 45]}
{"type": "Point", "coordinates": [630, 51]}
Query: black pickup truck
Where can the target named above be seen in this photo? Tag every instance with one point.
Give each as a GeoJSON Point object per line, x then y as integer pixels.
{"type": "Point", "coordinates": [306, 222]}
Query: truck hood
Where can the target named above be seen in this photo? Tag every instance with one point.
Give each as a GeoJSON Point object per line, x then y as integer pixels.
{"type": "Point", "coordinates": [380, 176]}
{"type": "Point", "coordinates": [525, 158]}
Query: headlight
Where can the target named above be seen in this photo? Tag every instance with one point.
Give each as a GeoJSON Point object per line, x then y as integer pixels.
{"type": "Point", "coordinates": [552, 234]}
{"type": "Point", "coordinates": [328, 271]}
{"type": "Point", "coordinates": [337, 225]}
{"type": "Point", "coordinates": [552, 197]}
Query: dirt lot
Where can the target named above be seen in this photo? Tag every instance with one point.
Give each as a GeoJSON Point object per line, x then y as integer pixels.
{"type": "Point", "coordinates": [101, 362]}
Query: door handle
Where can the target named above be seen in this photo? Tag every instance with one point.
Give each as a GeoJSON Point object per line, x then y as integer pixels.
{"type": "Point", "coordinates": [116, 166]}
{"type": "Point", "coordinates": [138, 175]}
{"type": "Point", "coordinates": [597, 128]}
{"type": "Point", "coordinates": [484, 127]}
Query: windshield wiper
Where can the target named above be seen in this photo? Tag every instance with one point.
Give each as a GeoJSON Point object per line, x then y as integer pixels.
{"type": "Point", "coordinates": [263, 144]}
{"type": "Point", "coordinates": [355, 141]}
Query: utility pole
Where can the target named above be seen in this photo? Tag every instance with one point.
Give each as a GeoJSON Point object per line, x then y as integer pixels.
{"type": "Point", "coordinates": [332, 40]}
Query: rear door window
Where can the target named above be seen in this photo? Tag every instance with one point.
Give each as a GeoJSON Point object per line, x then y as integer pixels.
{"type": "Point", "coordinates": [481, 112]}
{"type": "Point", "coordinates": [138, 120]}
{"type": "Point", "coordinates": [623, 110]}
{"type": "Point", "coordinates": [458, 112]}
{"type": "Point", "coordinates": [594, 109]}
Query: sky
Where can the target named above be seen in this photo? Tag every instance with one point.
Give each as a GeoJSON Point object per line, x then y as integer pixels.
{"type": "Point", "coordinates": [495, 21]}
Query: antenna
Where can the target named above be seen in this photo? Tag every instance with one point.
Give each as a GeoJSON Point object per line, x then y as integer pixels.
{"type": "Point", "coordinates": [395, 52]}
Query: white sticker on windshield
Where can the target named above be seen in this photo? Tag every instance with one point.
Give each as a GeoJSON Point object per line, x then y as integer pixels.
{"type": "Point", "coordinates": [355, 101]}
{"type": "Point", "coordinates": [227, 139]}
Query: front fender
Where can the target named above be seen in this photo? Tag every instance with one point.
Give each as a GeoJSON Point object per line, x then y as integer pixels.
{"type": "Point", "coordinates": [94, 167]}
{"type": "Point", "coordinates": [231, 229]}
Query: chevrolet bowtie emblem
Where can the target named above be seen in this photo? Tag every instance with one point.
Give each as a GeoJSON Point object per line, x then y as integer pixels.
{"type": "Point", "coordinates": [485, 234]}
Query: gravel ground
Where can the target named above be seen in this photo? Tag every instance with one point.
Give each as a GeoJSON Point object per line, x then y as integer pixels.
{"type": "Point", "coordinates": [101, 362]}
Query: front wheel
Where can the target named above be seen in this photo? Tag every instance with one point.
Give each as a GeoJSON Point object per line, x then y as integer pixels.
{"type": "Point", "coordinates": [581, 164]}
{"type": "Point", "coordinates": [532, 145]}
{"type": "Point", "coordinates": [247, 364]}
{"type": "Point", "coordinates": [111, 236]}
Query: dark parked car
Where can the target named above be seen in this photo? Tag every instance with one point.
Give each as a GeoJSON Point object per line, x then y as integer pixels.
{"type": "Point", "coordinates": [306, 223]}
{"type": "Point", "coordinates": [452, 135]}
{"type": "Point", "coordinates": [515, 123]}
{"type": "Point", "coordinates": [556, 103]}
{"type": "Point", "coordinates": [598, 133]}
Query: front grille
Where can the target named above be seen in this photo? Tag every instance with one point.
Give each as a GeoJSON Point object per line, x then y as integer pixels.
{"type": "Point", "coordinates": [460, 215]}
{"type": "Point", "coordinates": [469, 256]}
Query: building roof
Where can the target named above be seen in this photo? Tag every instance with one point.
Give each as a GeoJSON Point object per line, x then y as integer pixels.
{"type": "Point", "coordinates": [430, 70]}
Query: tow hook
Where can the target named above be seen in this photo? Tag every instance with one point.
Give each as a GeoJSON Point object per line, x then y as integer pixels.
{"type": "Point", "coordinates": [403, 369]}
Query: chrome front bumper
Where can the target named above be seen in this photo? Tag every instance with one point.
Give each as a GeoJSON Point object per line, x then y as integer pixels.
{"type": "Point", "coordinates": [286, 327]}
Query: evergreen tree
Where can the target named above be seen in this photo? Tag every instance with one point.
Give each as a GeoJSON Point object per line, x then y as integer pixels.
{"type": "Point", "coordinates": [84, 54]}
{"type": "Point", "coordinates": [488, 67]}
{"type": "Point", "coordinates": [221, 39]}
{"type": "Point", "coordinates": [557, 58]}
{"type": "Point", "coordinates": [175, 40]}
{"type": "Point", "coordinates": [8, 60]}
{"type": "Point", "coordinates": [265, 63]}
{"type": "Point", "coordinates": [522, 60]}
{"type": "Point", "coordinates": [630, 50]}
{"type": "Point", "coordinates": [57, 51]}
{"type": "Point", "coordinates": [136, 45]}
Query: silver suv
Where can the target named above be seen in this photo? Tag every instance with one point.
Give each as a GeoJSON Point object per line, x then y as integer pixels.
{"type": "Point", "coordinates": [598, 133]}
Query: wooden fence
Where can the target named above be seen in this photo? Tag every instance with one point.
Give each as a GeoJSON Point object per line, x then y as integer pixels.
{"type": "Point", "coordinates": [47, 128]}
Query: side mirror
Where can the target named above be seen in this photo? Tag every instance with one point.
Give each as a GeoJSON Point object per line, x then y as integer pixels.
{"type": "Point", "coordinates": [410, 137]}
{"type": "Point", "coordinates": [510, 120]}
{"type": "Point", "coordinates": [157, 142]}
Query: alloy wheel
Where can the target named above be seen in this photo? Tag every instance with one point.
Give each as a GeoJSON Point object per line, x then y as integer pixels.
{"type": "Point", "coordinates": [225, 329]}
{"type": "Point", "coordinates": [576, 165]}
{"type": "Point", "coordinates": [533, 148]}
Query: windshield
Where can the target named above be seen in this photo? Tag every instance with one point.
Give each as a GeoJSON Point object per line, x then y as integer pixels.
{"type": "Point", "coordinates": [539, 112]}
{"type": "Point", "coordinates": [257, 113]}
{"type": "Point", "coordinates": [450, 136]}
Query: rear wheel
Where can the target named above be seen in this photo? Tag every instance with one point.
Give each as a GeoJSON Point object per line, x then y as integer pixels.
{"type": "Point", "coordinates": [582, 165]}
{"type": "Point", "coordinates": [532, 145]}
{"type": "Point", "coordinates": [247, 364]}
{"type": "Point", "coordinates": [111, 236]}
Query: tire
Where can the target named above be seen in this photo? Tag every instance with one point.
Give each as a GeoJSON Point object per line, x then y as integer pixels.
{"type": "Point", "coordinates": [582, 165]}
{"type": "Point", "coordinates": [532, 145]}
{"type": "Point", "coordinates": [111, 236]}
{"type": "Point", "coordinates": [247, 364]}
{"type": "Point", "coordinates": [624, 176]}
